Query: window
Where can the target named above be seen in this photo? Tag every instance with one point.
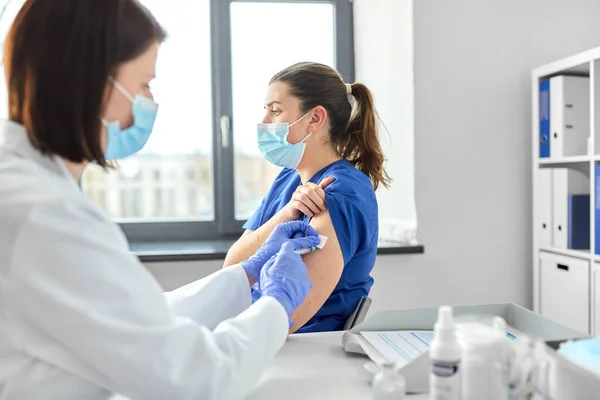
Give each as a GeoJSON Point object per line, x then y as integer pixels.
{"type": "Point", "coordinates": [182, 136]}
{"type": "Point", "coordinates": [252, 174]}
{"type": "Point", "coordinates": [201, 173]}
{"type": "Point", "coordinates": [131, 202]}
{"type": "Point", "coordinates": [256, 39]}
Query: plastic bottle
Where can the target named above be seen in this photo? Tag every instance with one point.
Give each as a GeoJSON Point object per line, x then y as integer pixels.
{"type": "Point", "coordinates": [388, 384]}
{"type": "Point", "coordinates": [484, 361]}
{"type": "Point", "coordinates": [445, 353]}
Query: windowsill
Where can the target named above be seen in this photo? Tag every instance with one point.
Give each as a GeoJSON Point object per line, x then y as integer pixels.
{"type": "Point", "coordinates": [217, 250]}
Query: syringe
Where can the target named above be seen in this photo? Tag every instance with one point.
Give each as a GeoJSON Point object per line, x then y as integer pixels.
{"type": "Point", "coordinates": [322, 242]}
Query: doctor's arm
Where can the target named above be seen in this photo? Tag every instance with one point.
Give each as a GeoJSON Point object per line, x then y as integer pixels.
{"type": "Point", "coordinates": [95, 312]}
{"type": "Point", "coordinates": [188, 300]}
{"type": "Point", "coordinates": [206, 302]}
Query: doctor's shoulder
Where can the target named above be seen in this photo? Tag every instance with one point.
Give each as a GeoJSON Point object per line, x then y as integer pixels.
{"type": "Point", "coordinates": [30, 191]}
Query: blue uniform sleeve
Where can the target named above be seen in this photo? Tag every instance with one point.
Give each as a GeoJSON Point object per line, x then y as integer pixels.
{"type": "Point", "coordinates": [353, 210]}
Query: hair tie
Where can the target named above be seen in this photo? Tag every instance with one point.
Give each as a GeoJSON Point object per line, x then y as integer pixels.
{"type": "Point", "coordinates": [350, 96]}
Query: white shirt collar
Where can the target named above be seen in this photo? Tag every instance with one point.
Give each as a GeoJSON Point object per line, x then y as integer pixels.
{"type": "Point", "coordinates": [14, 139]}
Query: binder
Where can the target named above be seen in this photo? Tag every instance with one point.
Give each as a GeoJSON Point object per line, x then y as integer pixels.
{"type": "Point", "coordinates": [569, 115]}
{"type": "Point", "coordinates": [544, 207]}
{"type": "Point", "coordinates": [579, 222]}
{"type": "Point", "coordinates": [565, 182]}
{"type": "Point", "coordinates": [545, 118]}
{"type": "Point", "coordinates": [597, 207]}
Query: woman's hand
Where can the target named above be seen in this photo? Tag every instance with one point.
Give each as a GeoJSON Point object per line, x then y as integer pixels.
{"type": "Point", "coordinates": [308, 199]}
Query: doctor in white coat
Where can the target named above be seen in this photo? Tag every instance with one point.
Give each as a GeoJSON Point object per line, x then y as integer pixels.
{"type": "Point", "coordinates": [80, 317]}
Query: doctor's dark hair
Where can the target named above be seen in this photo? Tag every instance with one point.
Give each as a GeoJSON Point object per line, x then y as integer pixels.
{"type": "Point", "coordinates": [354, 135]}
{"type": "Point", "coordinates": [58, 57]}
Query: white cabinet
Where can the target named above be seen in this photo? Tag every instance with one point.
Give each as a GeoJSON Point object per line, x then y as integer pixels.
{"type": "Point", "coordinates": [566, 164]}
{"type": "Point", "coordinates": [565, 290]}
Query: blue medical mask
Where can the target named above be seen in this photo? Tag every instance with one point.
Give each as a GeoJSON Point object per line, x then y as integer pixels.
{"type": "Point", "coordinates": [585, 352]}
{"type": "Point", "coordinates": [273, 144]}
{"type": "Point", "coordinates": [122, 143]}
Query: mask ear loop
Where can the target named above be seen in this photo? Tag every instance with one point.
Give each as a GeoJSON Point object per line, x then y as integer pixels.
{"type": "Point", "coordinates": [306, 138]}
{"type": "Point", "coordinates": [298, 120]}
{"type": "Point", "coordinates": [121, 89]}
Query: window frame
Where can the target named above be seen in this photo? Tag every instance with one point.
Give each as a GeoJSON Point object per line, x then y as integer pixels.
{"type": "Point", "coordinates": [224, 224]}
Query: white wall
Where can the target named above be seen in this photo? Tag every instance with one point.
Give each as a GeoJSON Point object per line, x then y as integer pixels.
{"type": "Point", "coordinates": [472, 67]}
{"type": "Point", "coordinates": [384, 62]}
{"type": "Point", "coordinates": [473, 141]}
{"type": "Point", "coordinates": [172, 275]}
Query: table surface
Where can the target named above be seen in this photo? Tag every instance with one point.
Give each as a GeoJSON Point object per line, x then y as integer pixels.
{"type": "Point", "coordinates": [315, 366]}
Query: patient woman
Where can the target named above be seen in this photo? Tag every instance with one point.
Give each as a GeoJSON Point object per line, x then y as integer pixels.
{"type": "Point", "coordinates": [323, 133]}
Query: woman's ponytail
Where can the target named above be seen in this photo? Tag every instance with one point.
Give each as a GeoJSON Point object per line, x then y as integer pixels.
{"type": "Point", "coordinates": [362, 147]}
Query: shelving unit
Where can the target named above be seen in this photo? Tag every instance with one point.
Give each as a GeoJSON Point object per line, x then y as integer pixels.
{"type": "Point", "coordinates": [567, 282]}
{"type": "Point", "coordinates": [566, 160]}
{"type": "Point", "coordinates": [581, 254]}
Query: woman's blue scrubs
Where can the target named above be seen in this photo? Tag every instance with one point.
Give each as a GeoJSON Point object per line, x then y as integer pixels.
{"type": "Point", "coordinates": [352, 206]}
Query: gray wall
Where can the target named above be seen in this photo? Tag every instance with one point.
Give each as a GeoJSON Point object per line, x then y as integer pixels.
{"type": "Point", "coordinates": [472, 149]}
{"type": "Point", "coordinates": [473, 139]}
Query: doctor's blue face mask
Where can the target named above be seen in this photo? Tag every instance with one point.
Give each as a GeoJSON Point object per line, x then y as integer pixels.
{"type": "Point", "coordinates": [273, 144]}
{"type": "Point", "coordinates": [122, 143]}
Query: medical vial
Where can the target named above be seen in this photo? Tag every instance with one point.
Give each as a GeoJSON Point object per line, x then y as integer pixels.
{"type": "Point", "coordinates": [445, 353]}
{"type": "Point", "coordinates": [389, 384]}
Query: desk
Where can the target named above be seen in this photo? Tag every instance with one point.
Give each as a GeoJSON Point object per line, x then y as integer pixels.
{"type": "Point", "coordinates": [315, 366]}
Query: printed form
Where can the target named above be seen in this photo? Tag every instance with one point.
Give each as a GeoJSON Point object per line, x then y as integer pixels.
{"type": "Point", "coordinates": [400, 346]}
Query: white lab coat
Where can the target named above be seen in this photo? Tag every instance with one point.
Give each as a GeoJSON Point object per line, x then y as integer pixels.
{"type": "Point", "coordinates": [81, 318]}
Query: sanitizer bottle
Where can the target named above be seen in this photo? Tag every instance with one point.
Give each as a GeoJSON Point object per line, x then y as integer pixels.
{"type": "Point", "coordinates": [445, 353]}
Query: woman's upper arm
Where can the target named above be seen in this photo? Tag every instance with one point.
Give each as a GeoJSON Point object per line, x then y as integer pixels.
{"type": "Point", "coordinates": [246, 233]}
{"type": "Point", "coordinates": [325, 268]}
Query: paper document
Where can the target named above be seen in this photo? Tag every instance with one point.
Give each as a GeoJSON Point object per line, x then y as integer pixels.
{"type": "Point", "coordinates": [400, 346]}
{"type": "Point", "coordinates": [404, 346]}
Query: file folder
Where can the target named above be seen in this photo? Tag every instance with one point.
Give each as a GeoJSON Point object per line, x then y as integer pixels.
{"type": "Point", "coordinates": [544, 207]}
{"type": "Point", "coordinates": [569, 115]}
{"type": "Point", "coordinates": [565, 182]}
{"type": "Point", "coordinates": [597, 207]}
{"type": "Point", "coordinates": [579, 222]}
{"type": "Point", "coordinates": [545, 118]}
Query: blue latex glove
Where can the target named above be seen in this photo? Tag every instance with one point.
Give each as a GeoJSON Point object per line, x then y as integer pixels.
{"type": "Point", "coordinates": [298, 233]}
{"type": "Point", "coordinates": [285, 278]}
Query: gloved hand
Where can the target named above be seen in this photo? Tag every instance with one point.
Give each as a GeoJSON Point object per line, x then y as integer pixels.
{"type": "Point", "coordinates": [298, 233]}
{"type": "Point", "coordinates": [285, 278]}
